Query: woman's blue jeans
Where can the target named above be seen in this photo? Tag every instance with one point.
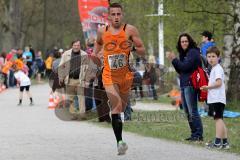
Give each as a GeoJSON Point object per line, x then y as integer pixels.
{"type": "Point", "coordinates": [190, 105]}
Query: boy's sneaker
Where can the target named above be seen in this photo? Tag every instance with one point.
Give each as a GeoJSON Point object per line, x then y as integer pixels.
{"type": "Point", "coordinates": [226, 146]}
{"type": "Point", "coordinates": [19, 104]}
{"type": "Point", "coordinates": [122, 147]}
{"type": "Point", "coordinates": [213, 145]}
{"type": "Point", "coordinates": [31, 104]}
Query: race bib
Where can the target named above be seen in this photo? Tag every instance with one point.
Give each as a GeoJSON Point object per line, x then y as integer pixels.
{"type": "Point", "coordinates": [117, 61]}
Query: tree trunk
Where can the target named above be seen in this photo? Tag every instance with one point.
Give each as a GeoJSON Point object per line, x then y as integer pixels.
{"type": "Point", "coordinates": [228, 48]}
{"type": "Point", "coordinates": [15, 22]}
{"type": "Point", "coordinates": [234, 78]}
{"type": "Point", "coordinates": [44, 32]}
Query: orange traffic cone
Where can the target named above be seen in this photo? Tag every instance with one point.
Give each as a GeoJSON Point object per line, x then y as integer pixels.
{"type": "Point", "coordinates": [3, 87]}
{"type": "Point", "coordinates": [56, 100]}
{"type": "Point", "coordinates": [63, 101]}
{"type": "Point", "coordinates": [51, 104]}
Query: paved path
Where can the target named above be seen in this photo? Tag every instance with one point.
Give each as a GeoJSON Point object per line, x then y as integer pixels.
{"type": "Point", "coordinates": [34, 133]}
{"type": "Point", "coordinates": [153, 106]}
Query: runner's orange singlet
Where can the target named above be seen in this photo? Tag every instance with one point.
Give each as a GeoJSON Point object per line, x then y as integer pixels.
{"type": "Point", "coordinates": [116, 54]}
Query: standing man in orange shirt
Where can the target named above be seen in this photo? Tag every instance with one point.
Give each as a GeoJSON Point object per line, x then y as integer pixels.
{"type": "Point", "coordinates": [117, 40]}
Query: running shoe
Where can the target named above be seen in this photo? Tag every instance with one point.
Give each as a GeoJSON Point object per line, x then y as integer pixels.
{"type": "Point", "coordinates": [122, 147]}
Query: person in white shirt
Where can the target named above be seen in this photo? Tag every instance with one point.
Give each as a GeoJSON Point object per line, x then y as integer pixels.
{"type": "Point", "coordinates": [24, 82]}
{"type": "Point", "coordinates": [216, 98]}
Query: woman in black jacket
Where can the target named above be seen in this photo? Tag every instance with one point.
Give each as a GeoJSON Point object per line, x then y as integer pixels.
{"type": "Point", "coordinates": [189, 60]}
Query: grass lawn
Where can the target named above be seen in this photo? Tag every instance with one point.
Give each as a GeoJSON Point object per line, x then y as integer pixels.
{"type": "Point", "coordinates": [161, 99]}
{"type": "Point", "coordinates": [172, 125]}
{"type": "Point", "coordinates": [233, 105]}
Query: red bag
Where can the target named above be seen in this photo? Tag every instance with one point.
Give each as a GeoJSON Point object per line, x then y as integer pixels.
{"type": "Point", "coordinates": [199, 78]}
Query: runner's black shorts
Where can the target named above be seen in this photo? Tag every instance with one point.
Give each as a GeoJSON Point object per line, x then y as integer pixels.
{"type": "Point", "coordinates": [216, 110]}
{"type": "Point", "coordinates": [24, 87]}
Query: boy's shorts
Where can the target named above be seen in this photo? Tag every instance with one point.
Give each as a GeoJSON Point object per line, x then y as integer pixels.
{"type": "Point", "coordinates": [216, 110]}
{"type": "Point", "coordinates": [24, 87]}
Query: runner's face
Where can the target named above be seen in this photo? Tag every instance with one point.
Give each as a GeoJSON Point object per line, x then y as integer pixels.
{"type": "Point", "coordinates": [115, 17]}
{"type": "Point", "coordinates": [76, 46]}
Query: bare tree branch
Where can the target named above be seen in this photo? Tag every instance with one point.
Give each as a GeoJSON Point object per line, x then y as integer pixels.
{"type": "Point", "coordinates": [209, 12]}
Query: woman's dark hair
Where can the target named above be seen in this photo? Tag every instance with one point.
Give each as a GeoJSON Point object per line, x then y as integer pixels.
{"type": "Point", "coordinates": [192, 44]}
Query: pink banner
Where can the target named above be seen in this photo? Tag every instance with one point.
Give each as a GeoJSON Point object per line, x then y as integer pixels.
{"type": "Point", "coordinates": [93, 14]}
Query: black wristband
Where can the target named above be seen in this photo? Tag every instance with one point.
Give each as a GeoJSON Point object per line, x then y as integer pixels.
{"type": "Point", "coordinates": [145, 61]}
{"type": "Point", "coordinates": [133, 48]}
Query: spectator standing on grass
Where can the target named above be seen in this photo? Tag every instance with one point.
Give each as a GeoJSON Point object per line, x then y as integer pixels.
{"type": "Point", "coordinates": [206, 42]}
{"type": "Point", "coordinates": [216, 99]}
{"type": "Point", "coordinates": [189, 60]}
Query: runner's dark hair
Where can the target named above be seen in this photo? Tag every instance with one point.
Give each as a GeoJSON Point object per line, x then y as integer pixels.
{"type": "Point", "coordinates": [115, 5]}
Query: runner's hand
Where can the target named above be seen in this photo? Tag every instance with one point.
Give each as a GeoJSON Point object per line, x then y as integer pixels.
{"type": "Point", "coordinates": [144, 60]}
{"type": "Point", "coordinates": [61, 82]}
{"type": "Point", "coordinates": [95, 59]}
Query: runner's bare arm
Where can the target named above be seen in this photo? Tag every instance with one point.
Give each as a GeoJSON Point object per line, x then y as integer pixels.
{"type": "Point", "coordinates": [98, 47]}
{"type": "Point", "coordinates": [99, 42]}
{"type": "Point", "coordinates": [134, 36]}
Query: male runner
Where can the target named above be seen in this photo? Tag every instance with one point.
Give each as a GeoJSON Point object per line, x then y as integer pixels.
{"type": "Point", "coordinates": [117, 40]}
